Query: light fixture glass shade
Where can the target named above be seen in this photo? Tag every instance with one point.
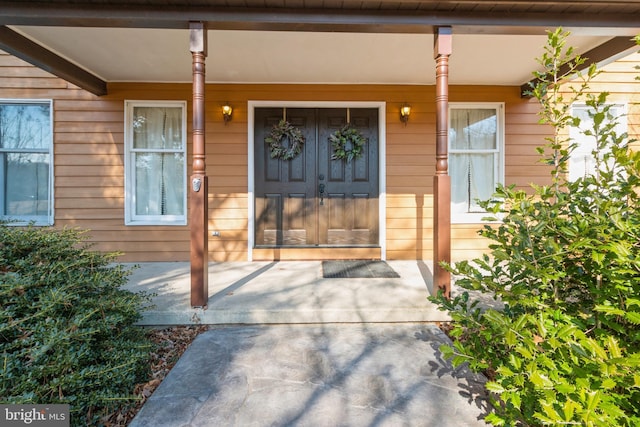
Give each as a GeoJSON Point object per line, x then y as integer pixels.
{"type": "Point", "coordinates": [405, 111]}
{"type": "Point", "coordinates": [227, 110]}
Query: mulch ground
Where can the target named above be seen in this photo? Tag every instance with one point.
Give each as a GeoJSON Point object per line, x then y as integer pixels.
{"type": "Point", "coordinates": [170, 344]}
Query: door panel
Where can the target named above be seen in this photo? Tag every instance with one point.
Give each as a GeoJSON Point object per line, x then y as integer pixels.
{"type": "Point", "coordinates": [350, 215]}
{"type": "Point", "coordinates": [284, 189]}
{"type": "Point", "coordinates": [290, 210]}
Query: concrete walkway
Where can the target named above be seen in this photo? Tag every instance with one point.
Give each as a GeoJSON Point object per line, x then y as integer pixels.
{"type": "Point", "coordinates": [289, 348]}
{"type": "Point", "coordinates": [321, 375]}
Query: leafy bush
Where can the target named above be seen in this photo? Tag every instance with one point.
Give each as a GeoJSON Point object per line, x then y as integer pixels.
{"type": "Point", "coordinates": [565, 262]}
{"type": "Point", "coordinates": [66, 326]}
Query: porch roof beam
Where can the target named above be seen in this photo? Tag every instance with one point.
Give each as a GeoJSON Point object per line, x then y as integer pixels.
{"type": "Point", "coordinates": [302, 19]}
{"type": "Point", "coordinates": [606, 52]}
{"type": "Point", "coordinates": [21, 47]}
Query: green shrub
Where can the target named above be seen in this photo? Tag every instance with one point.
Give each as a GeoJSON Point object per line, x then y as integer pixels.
{"type": "Point", "coordinates": [565, 262]}
{"type": "Point", "coordinates": [66, 325]}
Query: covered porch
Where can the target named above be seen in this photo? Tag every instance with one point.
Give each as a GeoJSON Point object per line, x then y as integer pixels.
{"type": "Point", "coordinates": [103, 46]}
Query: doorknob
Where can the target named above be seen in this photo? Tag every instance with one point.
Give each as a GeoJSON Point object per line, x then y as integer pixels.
{"type": "Point", "coordinates": [321, 191]}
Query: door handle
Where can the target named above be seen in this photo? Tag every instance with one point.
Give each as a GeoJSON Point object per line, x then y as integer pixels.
{"type": "Point", "coordinates": [321, 192]}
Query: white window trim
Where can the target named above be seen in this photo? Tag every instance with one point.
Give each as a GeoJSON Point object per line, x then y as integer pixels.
{"type": "Point", "coordinates": [36, 220]}
{"type": "Point", "coordinates": [129, 166]}
{"type": "Point", "coordinates": [478, 217]}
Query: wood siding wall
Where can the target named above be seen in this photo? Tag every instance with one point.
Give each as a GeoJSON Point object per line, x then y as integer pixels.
{"type": "Point", "coordinates": [89, 159]}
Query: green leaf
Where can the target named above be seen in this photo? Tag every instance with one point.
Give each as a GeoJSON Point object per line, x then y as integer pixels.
{"type": "Point", "coordinates": [494, 387]}
{"type": "Point", "coordinates": [613, 347]}
{"type": "Point", "coordinates": [565, 331]}
{"type": "Point", "coordinates": [620, 249]}
{"type": "Point", "coordinates": [591, 345]}
{"type": "Point", "coordinates": [540, 380]}
{"type": "Point", "coordinates": [633, 317]}
{"type": "Point", "coordinates": [550, 412]}
{"type": "Point", "coordinates": [505, 371]}
{"type": "Point", "coordinates": [565, 388]}
{"type": "Point", "coordinates": [613, 411]}
{"type": "Point", "coordinates": [633, 302]}
{"type": "Point", "coordinates": [494, 419]}
{"type": "Point", "coordinates": [568, 409]}
{"type": "Point", "coordinates": [447, 351]}
{"type": "Point", "coordinates": [593, 399]}
{"type": "Point", "coordinates": [515, 399]}
{"type": "Point", "coordinates": [597, 257]}
{"type": "Point", "coordinates": [609, 310]}
{"type": "Point", "coordinates": [524, 352]}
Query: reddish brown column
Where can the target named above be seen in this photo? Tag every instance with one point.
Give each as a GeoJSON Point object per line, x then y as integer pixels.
{"type": "Point", "coordinates": [198, 184]}
{"type": "Point", "coordinates": [441, 180]}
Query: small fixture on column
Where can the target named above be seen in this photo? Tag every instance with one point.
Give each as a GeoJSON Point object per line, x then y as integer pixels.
{"type": "Point", "coordinates": [405, 111]}
{"type": "Point", "coordinates": [227, 110]}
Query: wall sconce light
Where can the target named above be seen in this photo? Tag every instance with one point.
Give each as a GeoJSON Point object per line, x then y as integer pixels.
{"type": "Point", "coordinates": [227, 110]}
{"type": "Point", "coordinates": [405, 111]}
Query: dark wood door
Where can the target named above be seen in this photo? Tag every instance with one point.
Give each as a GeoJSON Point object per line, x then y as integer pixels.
{"type": "Point", "coordinates": [314, 200]}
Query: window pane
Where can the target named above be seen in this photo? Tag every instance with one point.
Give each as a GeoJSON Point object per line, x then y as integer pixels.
{"type": "Point", "coordinates": [472, 178]}
{"type": "Point", "coordinates": [25, 126]}
{"type": "Point", "coordinates": [160, 184]}
{"type": "Point", "coordinates": [26, 177]}
{"type": "Point", "coordinates": [157, 128]}
{"type": "Point", "coordinates": [582, 162]}
{"type": "Point", "coordinates": [473, 129]}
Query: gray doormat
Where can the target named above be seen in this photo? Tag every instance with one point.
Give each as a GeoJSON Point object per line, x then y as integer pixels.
{"type": "Point", "coordinates": [359, 269]}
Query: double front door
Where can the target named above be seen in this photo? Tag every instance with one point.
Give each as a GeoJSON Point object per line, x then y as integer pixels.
{"type": "Point", "coordinates": [312, 199]}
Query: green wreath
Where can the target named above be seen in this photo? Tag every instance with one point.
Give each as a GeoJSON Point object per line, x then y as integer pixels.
{"type": "Point", "coordinates": [284, 130]}
{"type": "Point", "coordinates": [341, 139]}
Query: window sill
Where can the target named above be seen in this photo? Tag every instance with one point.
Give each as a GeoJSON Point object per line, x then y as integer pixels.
{"type": "Point", "coordinates": [156, 223]}
{"type": "Point", "coordinates": [15, 222]}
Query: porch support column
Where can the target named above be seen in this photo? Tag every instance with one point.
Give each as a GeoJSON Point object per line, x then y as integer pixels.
{"type": "Point", "coordinates": [198, 185]}
{"type": "Point", "coordinates": [442, 180]}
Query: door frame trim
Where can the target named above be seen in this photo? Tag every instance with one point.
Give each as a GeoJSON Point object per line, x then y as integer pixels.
{"type": "Point", "coordinates": [382, 160]}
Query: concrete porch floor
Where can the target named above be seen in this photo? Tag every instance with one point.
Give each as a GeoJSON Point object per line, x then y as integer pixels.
{"type": "Point", "coordinates": [286, 292]}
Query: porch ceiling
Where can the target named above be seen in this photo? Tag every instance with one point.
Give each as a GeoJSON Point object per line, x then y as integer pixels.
{"type": "Point", "coordinates": [315, 41]}
{"type": "Point", "coordinates": [157, 55]}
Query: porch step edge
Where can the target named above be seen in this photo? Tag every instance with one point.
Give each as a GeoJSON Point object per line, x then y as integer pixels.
{"type": "Point", "coordinates": [194, 316]}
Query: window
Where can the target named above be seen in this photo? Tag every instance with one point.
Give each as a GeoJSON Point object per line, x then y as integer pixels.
{"type": "Point", "coordinates": [26, 167]}
{"type": "Point", "coordinates": [582, 162]}
{"type": "Point", "coordinates": [476, 158]}
{"type": "Point", "coordinates": [155, 168]}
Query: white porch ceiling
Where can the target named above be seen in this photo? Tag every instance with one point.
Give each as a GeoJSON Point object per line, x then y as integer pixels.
{"type": "Point", "coordinates": [162, 55]}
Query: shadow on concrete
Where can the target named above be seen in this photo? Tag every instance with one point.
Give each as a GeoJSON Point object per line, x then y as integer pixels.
{"type": "Point", "coordinates": [427, 275]}
{"type": "Point", "coordinates": [317, 375]}
{"type": "Point", "coordinates": [240, 283]}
